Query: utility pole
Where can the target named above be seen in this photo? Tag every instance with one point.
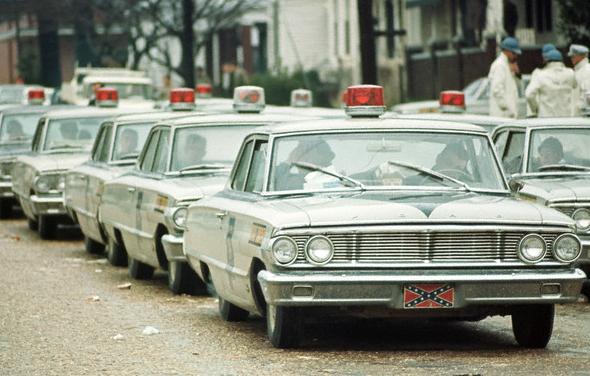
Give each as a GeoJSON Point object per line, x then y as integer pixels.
{"type": "Point", "coordinates": [367, 39]}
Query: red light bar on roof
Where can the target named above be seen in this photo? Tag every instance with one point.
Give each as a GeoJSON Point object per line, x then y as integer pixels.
{"type": "Point", "coordinates": [301, 98]}
{"type": "Point", "coordinates": [36, 96]}
{"type": "Point", "coordinates": [107, 97]}
{"type": "Point", "coordinates": [452, 101]}
{"type": "Point", "coordinates": [249, 99]}
{"type": "Point", "coordinates": [364, 101]}
{"type": "Point", "coordinates": [182, 99]}
{"type": "Point", "coordinates": [204, 90]}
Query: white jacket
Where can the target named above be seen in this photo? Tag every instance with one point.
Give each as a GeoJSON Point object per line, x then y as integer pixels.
{"type": "Point", "coordinates": [551, 91]}
{"type": "Point", "coordinates": [503, 89]}
{"type": "Point", "coordinates": [582, 70]}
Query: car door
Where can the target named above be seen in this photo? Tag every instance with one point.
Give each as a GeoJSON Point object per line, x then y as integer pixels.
{"type": "Point", "coordinates": [95, 179]}
{"type": "Point", "coordinates": [129, 208]}
{"type": "Point", "coordinates": [152, 202]}
{"type": "Point", "coordinates": [510, 147]}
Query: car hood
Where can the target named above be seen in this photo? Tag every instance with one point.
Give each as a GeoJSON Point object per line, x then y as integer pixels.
{"type": "Point", "coordinates": [50, 162]}
{"type": "Point", "coordinates": [563, 188]}
{"type": "Point", "coordinates": [412, 207]}
{"type": "Point", "coordinates": [193, 187]}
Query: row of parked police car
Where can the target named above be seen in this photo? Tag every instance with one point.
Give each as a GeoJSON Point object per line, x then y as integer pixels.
{"type": "Point", "coordinates": [301, 213]}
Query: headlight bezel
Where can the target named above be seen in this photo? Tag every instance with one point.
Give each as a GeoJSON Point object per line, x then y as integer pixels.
{"type": "Point", "coordinates": [54, 183]}
{"type": "Point", "coordinates": [273, 245]}
{"type": "Point", "coordinates": [521, 253]}
{"type": "Point", "coordinates": [176, 217]}
{"type": "Point", "coordinates": [310, 258]}
{"type": "Point", "coordinates": [560, 238]}
{"type": "Point", "coordinates": [578, 211]}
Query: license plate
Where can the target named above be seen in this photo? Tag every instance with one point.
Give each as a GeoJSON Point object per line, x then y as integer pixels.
{"type": "Point", "coordinates": [429, 295]}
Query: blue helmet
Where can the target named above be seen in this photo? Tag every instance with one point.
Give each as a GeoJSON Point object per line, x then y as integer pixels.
{"type": "Point", "coordinates": [553, 55]}
{"type": "Point", "coordinates": [511, 44]}
{"type": "Point", "coordinates": [547, 48]}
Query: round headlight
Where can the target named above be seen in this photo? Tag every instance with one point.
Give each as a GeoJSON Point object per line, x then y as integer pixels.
{"type": "Point", "coordinates": [284, 250]}
{"type": "Point", "coordinates": [532, 248]}
{"type": "Point", "coordinates": [567, 248]}
{"type": "Point", "coordinates": [319, 250]}
{"type": "Point", "coordinates": [43, 184]}
{"type": "Point", "coordinates": [582, 218]}
{"type": "Point", "coordinates": [179, 217]}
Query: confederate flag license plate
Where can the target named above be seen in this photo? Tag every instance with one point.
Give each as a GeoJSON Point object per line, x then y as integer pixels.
{"type": "Point", "coordinates": [429, 295]}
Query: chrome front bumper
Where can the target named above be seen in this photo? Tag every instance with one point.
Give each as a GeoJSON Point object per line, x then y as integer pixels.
{"type": "Point", "coordinates": [6, 189]}
{"type": "Point", "coordinates": [173, 247]}
{"type": "Point", "coordinates": [39, 205]}
{"type": "Point", "coordinates": [472, 288]}
{"type": "Point", "coordinates": [585, 256]}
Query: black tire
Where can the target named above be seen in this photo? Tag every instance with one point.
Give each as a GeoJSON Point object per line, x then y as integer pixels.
{"type": "Point", "coordinates": [586, 288]}
{"type": "Point", "coordinates": [116, 254]}
{"type": "Point", "coordinates": [33, 225]}
{"type": "Point", "coordinates": [182, 279]}
{"type": "Point", "coordinates": [92, 246]}
{"type": "Point", "coordinates": [47, 227]}
{"type": "Point", "coordinates": [284, 326]}
{"type": "Point", "coordinates": [230, 312]}
{"type": "Point", "coordinates": [140, 270]}
{"type": "Point", "coordinates": [533, 325]}
{"type": "Point", "coordinates": [5, 209]}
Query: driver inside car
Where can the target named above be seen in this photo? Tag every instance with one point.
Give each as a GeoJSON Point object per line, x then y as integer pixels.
{"type": "Point", "coordinates": [193, 152]}
{"type": "Point", "coordinates": [550, 153]}
{"type": "Point", "coordinates": [128, 143]}
{"type": "Point", "coordinates": [452, 161]}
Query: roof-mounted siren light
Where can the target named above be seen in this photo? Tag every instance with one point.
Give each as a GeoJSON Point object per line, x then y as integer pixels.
{"type": "Point", "coordinates": [452, 101]}
{"type": "Point", "coordinates": [301, 98]}
{"type": "Point", "coordinates": [586, 109]}
{"type": "Point", "coordinates": [364, 101]}
{"type": "Point", "coordinates": [249, 99]}
{"type": "Point", "coordinates": [182, 99]}
{"type": "Point", "coordinates": [107, 97]}
{"type": "Point", "coordinates": [36, 96]}
{"type": "Point", "coordinates": [204, 90]}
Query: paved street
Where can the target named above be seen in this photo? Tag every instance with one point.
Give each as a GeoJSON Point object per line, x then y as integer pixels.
{"type": "Point", "coordinates": [61, 309]}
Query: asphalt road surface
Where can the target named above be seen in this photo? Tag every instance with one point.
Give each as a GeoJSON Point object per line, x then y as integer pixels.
{"type": "Point", "coordinates": [62, 313]}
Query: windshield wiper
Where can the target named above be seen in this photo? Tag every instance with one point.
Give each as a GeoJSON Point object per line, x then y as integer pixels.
{"type": "Point", "coordinates": [66, 146]}
{"type": "Point", "coordinates": [204, 166]}
{"type": "Point", "coordinates": [431, 173]}
{"type": "Point", "coordinates": [563, 167]}
{"type": "Point", "coordinates": [342, 178]}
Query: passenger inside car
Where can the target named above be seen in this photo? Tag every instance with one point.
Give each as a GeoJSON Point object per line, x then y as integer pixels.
{"type": "Point", "coordinates": [69, 130]}
{"type": "Point", "coordinates": [193, 151]}
{"type": "Point", "coordinates": [128, 143]}
{"type": "Point", "coordinates": [14, 131]}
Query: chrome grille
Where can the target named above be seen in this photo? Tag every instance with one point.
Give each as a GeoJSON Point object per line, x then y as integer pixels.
{"type": "Point", "coordinates": [443, 246]}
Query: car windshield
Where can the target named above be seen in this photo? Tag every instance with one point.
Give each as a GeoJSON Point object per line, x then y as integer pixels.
{"type": "Point", "coordinates": [72, 133]}
{"type": "Point", "coordinates": [130, 139]}
{"type": "Point", "coordinates": [559, 149]}
{"type": "Point", "coordinates": [384, 159]}
{"type": "Point", "coordinates": [201, 147]}
{"type": "Point", "coordinates": [18, 128]}
{"type": "Point", "coordinates": [126, 90]}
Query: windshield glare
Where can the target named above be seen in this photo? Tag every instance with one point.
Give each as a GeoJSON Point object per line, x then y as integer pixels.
{"type": "Point", "coordinates": [558, 146]}
{"type": "Point", "coordinates": [378, 159]}
{"type": "Point", "coordinates": [72, 133]}
{"type": "Point", "coordinates": [207, 145]}
{"type": "Point", "coordinates": [130, 139]}
{"type": "Point", "coordinates": [126, 90]}
{"type": "Point", "coordinates": [18, 128]}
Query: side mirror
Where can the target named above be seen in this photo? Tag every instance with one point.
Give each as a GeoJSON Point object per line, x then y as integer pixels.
{"type": "Point", "coordinates": [515, 185]}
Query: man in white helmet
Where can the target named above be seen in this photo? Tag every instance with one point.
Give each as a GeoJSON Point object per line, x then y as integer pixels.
{"type": "Point", "coordinates": [579, 57]}
{"type": "Point", "coordinates": [551, 93]}
{"type": "Point", "coordinates": [503, 82]}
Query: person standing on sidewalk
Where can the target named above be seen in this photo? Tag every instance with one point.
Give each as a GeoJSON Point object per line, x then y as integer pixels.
{"type": "Point", "coordinates": [503, 81]}
{"type": "Point", "coordinates": [579, 57]}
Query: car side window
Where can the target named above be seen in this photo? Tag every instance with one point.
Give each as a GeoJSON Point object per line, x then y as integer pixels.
{"type": "Point", "coordinates": [242, 167]}
{"type": "Point", "coordinates": [38, 134]}
{"type": "Point", "coordinates": [256, 172]}
{"type": "Point", "coordinates": [101, 153]}
{"type": "Point", "coordinates": [150, 152]}
{"type": "Point", "coordinates": [513, 153]}
{"type": "Point", "coordinates": [500, 142]}
{"type": "Point", "coordinates": [162, 152]}
{"type": "Point", "coordinates": [98, 144]}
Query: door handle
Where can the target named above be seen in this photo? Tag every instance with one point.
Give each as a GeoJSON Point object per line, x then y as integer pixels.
{"type": "Point", "coordinates": [221, 215]}
{"type": "Point", "coordinates": [130, 189]}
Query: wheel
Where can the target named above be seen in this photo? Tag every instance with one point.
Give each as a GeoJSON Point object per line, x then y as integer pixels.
{"type": "Point", "coordinates": [33, 225]}
{"type": "Point", "coordinates": [47, 227]}
{"type": "Point", "coordinates": [284, 326]}
{"type": "Point", "coordinates": [230, 312]}
{"type": "Point", "coordinates": [183, 280]}
{"type": "Point", "coordinates": [533, 324]}
{"type": "Point", "coordinates": [140, 270]}
{"type": "Point", "coordinates": [5, 209]}
{"type": "Point", "coordinates": [92, 246]}
{"type": "Point", "coordinates": [116, 254]}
